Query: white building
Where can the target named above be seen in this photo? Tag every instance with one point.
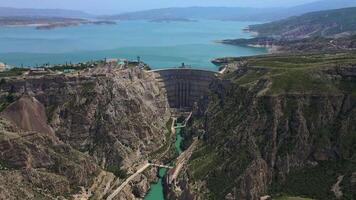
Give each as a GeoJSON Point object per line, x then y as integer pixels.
{"type": "Point", "coordinates": [2, 67]}
{"type": "Point", "coordinates": [111, 60]}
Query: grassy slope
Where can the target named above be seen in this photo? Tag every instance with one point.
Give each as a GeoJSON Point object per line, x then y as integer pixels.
{"type": "Point", "coordinates": [316, 181]}
{"type": "Point", "coordinates": [300, 73]}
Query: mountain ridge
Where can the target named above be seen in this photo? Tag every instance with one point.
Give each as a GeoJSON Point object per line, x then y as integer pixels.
{"type": "Point", "coordinates": [231, 13]}
{"type": "Point", "coordinates": [329, 23]}
{"type": "Point", "coordinates": [18, 12]}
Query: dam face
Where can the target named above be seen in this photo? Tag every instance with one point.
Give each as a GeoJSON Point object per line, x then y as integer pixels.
{"type": "Point", "coordinates": [184, 86]}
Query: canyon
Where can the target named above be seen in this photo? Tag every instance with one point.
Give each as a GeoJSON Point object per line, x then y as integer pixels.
{"type": "Point", "coordinates": [62, 133]}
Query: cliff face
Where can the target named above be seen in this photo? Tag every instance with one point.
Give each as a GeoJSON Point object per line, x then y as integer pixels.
{"type": "Point", "coordinates": [34, 164]}
{"type": "Point", "coordinates": [77, 128]}
{"type": "Point", "coordinates": [259, 140]}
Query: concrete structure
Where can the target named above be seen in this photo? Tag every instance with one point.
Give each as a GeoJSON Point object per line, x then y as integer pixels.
{"type": "Point", "coordinates": [111, 60]}
{"type": "Point", "coordinates": [2, 67]}
{"type": "Point", "coordinates": [185, 86]}
{"type": "Point", "coordinates": [127, 181]}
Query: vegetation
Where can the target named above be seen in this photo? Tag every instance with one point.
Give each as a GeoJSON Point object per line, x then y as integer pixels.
{"type": "Point", "coordinates": [316, 182]}
{"type": "Point", "coordinates": [219, 170]}
{"type": "Point", "coordinates": [297, 73]}
{"type": "Point", "coordinates": [13, 72]}
{"type": "Point", "coordinates": [3, 166]}
{"type": "Point", "coordinates": [322, 23]}
{"type": "Point", "coordinates": [7, 100]}
{"type": "Point", "coordinates": [165, 147]}
{"type": "Point", "coordinates": [69, 67]}
{"type": "Point", "coordinates": [312, 44]}
{"type": "Point", "coordinates": [121, 173]}
{"type": "Point", "coordinates": [50, 112]}
{"type": "Point", "coordinates": [201, 162]}
{"type": "Point", "coordinates": [88, 89]}
{"type": "Point", "coordinates": [240, 126]}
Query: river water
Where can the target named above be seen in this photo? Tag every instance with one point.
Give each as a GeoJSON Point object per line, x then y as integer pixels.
{"type": "Point", "coordinates": [156, 190]}
{"type": "Point", "coordinates": [158, 44]}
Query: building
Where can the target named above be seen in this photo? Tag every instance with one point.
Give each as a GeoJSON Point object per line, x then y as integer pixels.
{"type": "Point", "coordinates": [2, 67]}
{"type": "Point", "coordinates": [111, 60]}
{"type": "Point", "coordinates": [37, 71]}
{"type": "Point", "coordinates": [68, 71]}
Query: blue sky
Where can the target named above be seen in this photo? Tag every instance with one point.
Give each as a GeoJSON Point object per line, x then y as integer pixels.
{"type": "Point", "coordinates": [116, 6]}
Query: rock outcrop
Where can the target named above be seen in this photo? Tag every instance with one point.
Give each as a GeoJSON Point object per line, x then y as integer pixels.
{"type": "Point", "coordinates": [81, 135]}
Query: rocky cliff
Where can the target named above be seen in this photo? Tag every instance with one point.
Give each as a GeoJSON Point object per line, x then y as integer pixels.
{"type": "Point", "coordinates": [278, 125]}
{"type": "Point", "coordinates": [80, 133]}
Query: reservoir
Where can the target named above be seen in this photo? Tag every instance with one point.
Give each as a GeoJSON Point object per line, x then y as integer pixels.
{"type": "Point", "coordinates": [161, 45]}
{"type": "Point", "coordinates": [156, 190]}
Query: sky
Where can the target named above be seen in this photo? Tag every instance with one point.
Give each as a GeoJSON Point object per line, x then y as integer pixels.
{"type": "Point", "coordinates": [119, 6]}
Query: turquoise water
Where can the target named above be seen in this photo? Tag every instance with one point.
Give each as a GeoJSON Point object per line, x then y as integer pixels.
{"type": "Point", "coordinates": [156, 189]}
{"type": "Point", "coordinates": [158, 44]}
{"type": "Point", "coordinates": [179, 139]}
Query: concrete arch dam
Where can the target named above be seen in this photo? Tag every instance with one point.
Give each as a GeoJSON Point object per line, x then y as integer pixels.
{"type": "Point", "coordinates": [184, 86]}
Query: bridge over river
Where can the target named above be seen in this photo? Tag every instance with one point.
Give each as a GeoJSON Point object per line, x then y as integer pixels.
{"type": "Point", "coordinates": [184, 86]}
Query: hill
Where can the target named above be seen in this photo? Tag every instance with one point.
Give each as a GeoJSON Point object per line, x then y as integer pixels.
{"type": "Point", "coordinates": [330, 23]}
{"type": "Point", "coordinates": [22, 12]}
{"type": "Point", "coordinates": [232, 13]}
{"type": "Point", "coordinates": [217, 13]}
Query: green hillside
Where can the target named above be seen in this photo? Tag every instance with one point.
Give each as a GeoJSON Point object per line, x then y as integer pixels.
{"type": "Point", "coordinates": [329, 23]}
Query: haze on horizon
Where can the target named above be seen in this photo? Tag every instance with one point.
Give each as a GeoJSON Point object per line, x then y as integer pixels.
{"type": "Point", "coordinates": [120, 6]}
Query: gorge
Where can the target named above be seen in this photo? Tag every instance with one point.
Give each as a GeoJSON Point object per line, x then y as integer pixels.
{"type": "Point", "coordinates": [230, 123]}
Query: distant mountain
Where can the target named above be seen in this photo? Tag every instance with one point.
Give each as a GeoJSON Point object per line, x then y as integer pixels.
{"type": "Point", "coordinates": [219, 13]}
{"type": "Point", "coordinates": [330, 23]}
{"type": "Point", "coordinates": [233, 13]}
{"type": "Point", "coordinates": [315, 6]}
{"type": "Point", "coordinates": [323, 5]}
{"type": "Point", "coordinates": [24, 12]}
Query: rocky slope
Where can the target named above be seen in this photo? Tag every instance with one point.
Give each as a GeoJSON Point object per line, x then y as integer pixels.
{"type": "Point", "coordinates": [86, 130]}
{"type": "Point", "coordinates": [282, 124]}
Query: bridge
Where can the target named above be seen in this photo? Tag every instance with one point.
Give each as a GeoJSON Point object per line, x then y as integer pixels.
{"type": "Point", "coordinates": [172, 173]}
{"type": "Point", "coordinates": [184, 86]}
{"type": "Point", "coordinates": [130, 178]}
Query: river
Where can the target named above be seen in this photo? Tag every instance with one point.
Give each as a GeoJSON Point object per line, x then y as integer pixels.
{"type": "Point", "coordinates": [156, 190]}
